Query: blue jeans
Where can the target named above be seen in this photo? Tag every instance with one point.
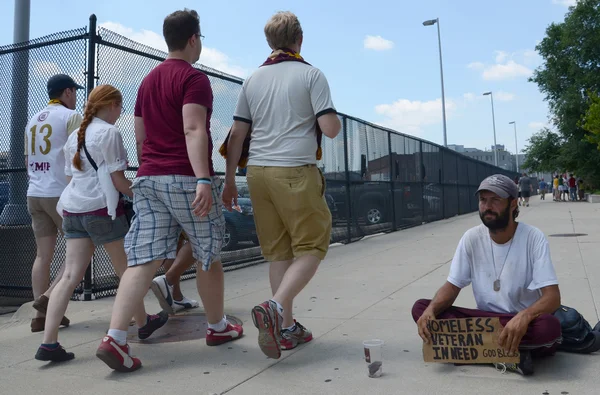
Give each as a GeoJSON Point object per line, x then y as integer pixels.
{"type": "Point", "coordinates": [573, 193]}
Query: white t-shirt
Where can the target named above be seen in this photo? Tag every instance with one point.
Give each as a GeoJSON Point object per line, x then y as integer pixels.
{"type": "Point", "coordinates": [45, 136]}
{"type": "Point", "coordinates": [528, 268]}
{"type": "Point", "coordinates": [282, 102]}
{"type": "Point", "coordinates": [105, 145]}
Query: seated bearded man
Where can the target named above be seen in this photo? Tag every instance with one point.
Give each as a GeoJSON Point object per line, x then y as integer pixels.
{"type": "Point", "coordinates": [509, 266]}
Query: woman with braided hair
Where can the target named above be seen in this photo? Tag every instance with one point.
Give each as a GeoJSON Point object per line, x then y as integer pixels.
{"type": "Point", "coordinates": [93, 213]}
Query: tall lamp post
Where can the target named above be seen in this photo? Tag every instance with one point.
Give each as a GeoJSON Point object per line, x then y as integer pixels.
{"type": "Point", "coordinates": [430, 23]}
{"type": "Point", "coordinates": [516, 146]}
{"type": "Point", "coordinates": [15, 211]}
{"type": "Point", "coordinates": [494, 123]}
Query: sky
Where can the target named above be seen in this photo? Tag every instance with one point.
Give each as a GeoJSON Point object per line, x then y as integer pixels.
{"type": "Point", "coordinates": [382, 64]}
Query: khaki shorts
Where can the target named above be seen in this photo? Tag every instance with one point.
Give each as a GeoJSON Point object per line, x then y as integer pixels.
{"type": "Point", "coordinates": [44, 217]}
{"type": "Point", "coordinates": [291, 216]}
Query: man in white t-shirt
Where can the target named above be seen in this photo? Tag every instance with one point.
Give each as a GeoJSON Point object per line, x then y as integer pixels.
{"type": "Point", "coordinates": [288, 104]}
{"type": "Point", "coordinates": [509, 266]}
{"type": "Point", "coordinates": [45, 136]}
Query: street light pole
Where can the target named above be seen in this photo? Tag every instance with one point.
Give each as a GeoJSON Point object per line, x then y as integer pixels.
{"type": "Point", "coordinates": [15, 211]}
{"type": "Point", "coordinates": [494, 123]}
{"type": "Point", "coordinates": [516, 146]}
{"type": "Point", "coordinates": [429, 23]}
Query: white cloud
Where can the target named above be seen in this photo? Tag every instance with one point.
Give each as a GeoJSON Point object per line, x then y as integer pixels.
{"type": "Point", "coordinates": [504, 96]}
{"type": "Point", "coordinates": [507, 65]}
{"type": "Point", "coordinates": [377, 43]}
{"type": "Point", "coordinates": [410, 117]}
{"type": "Point", "coordinates": [506, 71]}
{"type": "Point", "coordinates": [566, 3]}
{"type": "Point", "coordinates": [210, 57]}
{"type": "Point", "coordinates": [501, 56]}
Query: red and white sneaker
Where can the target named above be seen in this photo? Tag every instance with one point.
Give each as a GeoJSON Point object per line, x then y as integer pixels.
{"type": "Point", "coordinates": [117, 357]}
{"type": "Point", "coordinates": [230, 333]}
{"type": "Point", "coordinates": [268, 322]}
{"type": "Point", "coordinates": [291, 339]}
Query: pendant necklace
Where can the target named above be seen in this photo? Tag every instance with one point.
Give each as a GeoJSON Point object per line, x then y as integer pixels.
{"type": "Point", "coordinates": [497, 282]}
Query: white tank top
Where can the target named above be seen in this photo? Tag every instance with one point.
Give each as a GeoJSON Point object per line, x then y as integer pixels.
{"type": "Point", "coordinates": [46, 135]}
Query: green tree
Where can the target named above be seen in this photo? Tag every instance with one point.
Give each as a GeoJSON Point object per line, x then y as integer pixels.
{"type": "Point", "coordinates": [570, 69]}
{"type": "Point", "coordinates": [591, 121]}
{"type": "Point", "coordinates": [543, 154]}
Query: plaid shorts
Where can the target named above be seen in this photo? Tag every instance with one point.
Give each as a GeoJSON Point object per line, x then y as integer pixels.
{"type": "Point", "coordinates": [163, 208]}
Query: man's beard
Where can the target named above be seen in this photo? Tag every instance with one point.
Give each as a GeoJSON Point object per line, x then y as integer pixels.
{"type": "Point", "coordinates": [500, 222]}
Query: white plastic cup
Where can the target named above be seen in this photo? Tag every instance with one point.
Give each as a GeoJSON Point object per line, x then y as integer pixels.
{"type": "Point", "coordinates": [374, 357]}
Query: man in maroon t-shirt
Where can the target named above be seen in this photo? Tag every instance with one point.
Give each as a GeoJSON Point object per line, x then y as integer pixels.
{"type": "Point", "coordinates": [572, 188]}
{"type": "Point", "coordinates": [175, 190]}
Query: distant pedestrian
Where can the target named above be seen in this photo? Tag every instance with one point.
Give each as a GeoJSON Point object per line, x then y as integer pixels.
{"type": "Point", "coordinates": [572, 188]}
{"type": "Point", "coordinates": [543, 187]}
{"type": "Point", "coordinates": [526, 187]}
{"type": "Point", "coordinates": [556, 188]}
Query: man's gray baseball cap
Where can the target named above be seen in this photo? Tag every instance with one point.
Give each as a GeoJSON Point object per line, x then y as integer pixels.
{"type": "Point", "coordinates": [501, 185]}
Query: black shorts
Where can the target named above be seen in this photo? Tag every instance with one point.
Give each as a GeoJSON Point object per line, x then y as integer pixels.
{"type": "Point", "coordinates": [519, 193]}
{"type": "Point", "coordinates": [526, 194]}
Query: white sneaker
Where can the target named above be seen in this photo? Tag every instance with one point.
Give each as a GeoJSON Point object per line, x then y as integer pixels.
{"type": "Point", "coordinates": [184, 304]}
{"type": "Point", "coordinates": [164, 293]}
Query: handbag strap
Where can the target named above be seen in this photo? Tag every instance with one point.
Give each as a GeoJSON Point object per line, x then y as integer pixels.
{"type": "Point", "coordinates": [89, 157]}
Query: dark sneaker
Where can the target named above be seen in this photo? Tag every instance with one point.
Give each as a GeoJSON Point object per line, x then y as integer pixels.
{"type": "Point", "coordinates": [524, 367]}
{"type": "Point", "coordinates": [231, 332]}
{"type": "Point", "coordinates": [117, 357]}
{"type": "Point", "coordinates": [57, 354]}
{"type": "Point", "coordinates": [290, 339]}
{"type": "Point", "coordinates": [155, 322]}
{"type": "Point", "coordinates": [164, 293]}
{"type": "Point", "coordinates": [268, 322]}
{"type": "Point", "coordinates": [39, 324]}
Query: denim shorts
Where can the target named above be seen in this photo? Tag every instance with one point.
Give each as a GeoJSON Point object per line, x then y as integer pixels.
{"type": "Point", "coordinates": [101, 229]}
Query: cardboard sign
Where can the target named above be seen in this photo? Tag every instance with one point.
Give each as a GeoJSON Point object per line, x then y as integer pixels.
{"type": "Point", "coordinates": [466, 340]}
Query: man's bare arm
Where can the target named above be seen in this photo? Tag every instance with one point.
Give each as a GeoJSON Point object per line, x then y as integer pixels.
{"type": "Point", "coordinates": [330, 124]}
{"type": "Point", "coordinates": [548, 303]}
{"type": "Point", "coordinates": [140, 136]}
{"type": "Point", "coordinates": [239, 131]}
{"type": "Point", "coordinates": [515, 329]}
{"type": "Point", "coordinates": [444, 298]}
{"type": "Point", "coordinates": [196, 138]}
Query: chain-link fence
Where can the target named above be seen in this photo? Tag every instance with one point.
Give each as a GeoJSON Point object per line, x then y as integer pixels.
{"type": "Point", "coordinates": [378, 180]}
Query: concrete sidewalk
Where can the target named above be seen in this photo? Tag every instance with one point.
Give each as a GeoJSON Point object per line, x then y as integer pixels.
{"type": "Point", "coordinates": [363, 290]}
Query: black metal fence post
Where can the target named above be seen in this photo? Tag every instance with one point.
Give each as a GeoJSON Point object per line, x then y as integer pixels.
{"type": "Point", "coordinates": [442, 183]}
{"type": "Point", "coordinates": [392, 178]}
{"type": "Point", "coordinates": [458, 211]}
{"type": "Point", "coordinates": [91, 82]}
{"type": "Point", "coordinates": [347, 173]}
{"type": "Point", "coordinates": [421, 176]}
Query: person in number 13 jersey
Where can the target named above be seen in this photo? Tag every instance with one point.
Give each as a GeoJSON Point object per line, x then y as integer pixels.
{"type": "Point", "coordinates": [45, 136]}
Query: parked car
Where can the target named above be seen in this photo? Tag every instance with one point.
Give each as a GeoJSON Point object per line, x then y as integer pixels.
{"type": "Point", "coordinates": [371, 201]}
{"type": "Point", "coordinates": [239, 225]}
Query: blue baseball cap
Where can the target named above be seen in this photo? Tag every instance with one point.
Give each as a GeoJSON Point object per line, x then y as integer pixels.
{"type": "Point", "coordinates": [60, 82]}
